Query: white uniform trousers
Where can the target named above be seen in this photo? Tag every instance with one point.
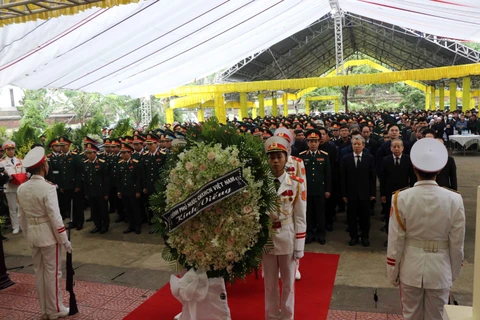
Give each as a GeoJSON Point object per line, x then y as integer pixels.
{"type": "Point", "coordinates": [47, 262]}
{"type": "Point", "coordinates": [423, 304]}
{"type": "Point", "coordinates": [271, 264]}
{"type": "Point", "coordinates": [12, 208]}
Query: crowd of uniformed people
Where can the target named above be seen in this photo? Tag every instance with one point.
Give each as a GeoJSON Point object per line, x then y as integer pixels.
{"type": "Point", "coordinates": [344, 157]}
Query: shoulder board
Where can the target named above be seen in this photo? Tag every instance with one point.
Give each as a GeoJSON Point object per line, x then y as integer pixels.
{"type": "Point", "coordinates": [324, 152]}
{"type": "Point", "coordinates": [297, 179]}
{"type": "Point", "coordinates": [121, 161]}
{"type": "Point", "coordinates": [81, 153]}
{"type": "Point", "coordinates": [400, 190]}
{"type": "Point", "coordinates": [85, 160]}
{"type": "Point", "coordinates": [49, 182]}
{"type": "Point", "coordinates": [73, 152]}
{"type": "Point", "coordinates": [297, 159]}
{"type": "Point", "coordinates": [160, 152]}
{"type": "Point", "coordinates": [145, 153]}
{"type": "Point", "coordinates": [451, 190]}
{"type": "Point", "coordinates": [101, 160]}
{"type": "Point", "coordinates": [303, 152]}
{"type": "Point", "coordinates": [100, 153]}
{"type": "Point", "coordinates": [135, 160]}
{"type": "Point", "coordinates": [49, 155]}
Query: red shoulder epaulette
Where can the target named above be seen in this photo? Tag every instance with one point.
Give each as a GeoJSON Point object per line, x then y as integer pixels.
{"type": "Point", "coordinates": [297, 179]}
{"type": "Point", "coordinates": [297, 159]}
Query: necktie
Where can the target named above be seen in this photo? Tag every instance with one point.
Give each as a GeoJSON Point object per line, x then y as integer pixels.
{"type": "Point", "coordinates": [358, 161]}
{"type": "Point", "coordinates": [397, 161]}
{"type": "Point", "coordinates": [277, 184]}
{"type": "Point", "coordinates": [13, 162]}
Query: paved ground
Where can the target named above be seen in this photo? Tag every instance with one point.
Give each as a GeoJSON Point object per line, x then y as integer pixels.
{"type": "Point", "coordinates": [135, 260]}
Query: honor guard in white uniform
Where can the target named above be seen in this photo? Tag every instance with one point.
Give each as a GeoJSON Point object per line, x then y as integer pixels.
{"type": "Point", "coordinates": [12, 166]}
{"type": "Point", "coordinates": [45, 233]}
{"type": "Point", "coordinates": [294, 167]}
{"type": "Point", "coordinates": [288, 236]}
{"type": "Point", "coordinates": [426, 236]}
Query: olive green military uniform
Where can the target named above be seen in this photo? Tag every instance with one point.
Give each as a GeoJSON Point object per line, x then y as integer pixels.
{"type": "Point", "coordinates": [96, 181]}
{"type": "Point", "coordinates": [71, 180]}
{"type": "Point", "coordinates": [129, 182]}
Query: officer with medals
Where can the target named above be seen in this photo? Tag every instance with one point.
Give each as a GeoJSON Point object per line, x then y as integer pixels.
{"type": "Point", "coordinates": [289, 236]}
{"type": "Point", "coordinates": [71, 183]}
{"type": "Point", "coordinates": [115, 202]}
{"type": "Point", "coordinates": [426, 236]}
{"type": "Point", "coordinates": [129, 188]}
{"type": "Point", "coordinates": [152, 161]}
{"type": "Point", "coordinates": [96, 178]}
{"type": "Point", "coordinates": [319, 186]}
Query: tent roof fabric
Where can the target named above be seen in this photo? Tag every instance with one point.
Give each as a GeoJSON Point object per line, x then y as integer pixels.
{"type": "Point", "coordinates": [152, 46]}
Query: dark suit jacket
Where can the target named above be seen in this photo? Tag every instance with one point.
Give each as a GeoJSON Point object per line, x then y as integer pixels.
{"type": "Point", "coordinates": [372, 146]}
{"type": "Point", "coordinates": [384, 150]}
{"type": "Point", "coordinates": [349, 149]}
{"type": "Point", "coordinates": [448, 176]}
{"type": "Point", "coordinates": [394, 177]}
{"type": "Point", "coordinates": [358, 183]}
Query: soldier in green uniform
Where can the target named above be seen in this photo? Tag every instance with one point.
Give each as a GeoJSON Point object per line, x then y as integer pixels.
{"type": "Point", "coordinates": [115, 202]}
{"type": "Point", "coordinates": [152, 161]}
{"type": "Point", "coordinates": [96, 180]}
{"type": "Point", "coordinates": [319, 186]}
{"type": "Point", "coordinates": [129, 188]}
{"type": "Point", "coordinates": [71, 183]}
{"type": "Point", "coordinates": [138, 141]}
{"type": "Point", "coordinates": [53, 175]}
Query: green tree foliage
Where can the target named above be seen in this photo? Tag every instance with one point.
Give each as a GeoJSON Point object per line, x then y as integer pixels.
{"type": "Point", "coordinates": [122, 128]}
{"type": "Point", "coordinates": [56, 130]}
{"type": "Point", "coordinates": [155, 123]}
{"type": "Point", "coordinates": [24, 138]}
{"type": "Point", "coordinates": [37, 106]}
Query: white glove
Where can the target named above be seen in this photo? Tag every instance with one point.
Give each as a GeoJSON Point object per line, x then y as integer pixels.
{"type": "Point", "coordinates": [68, 246]}
{"type": "Point", "coordinates": [298, 254]}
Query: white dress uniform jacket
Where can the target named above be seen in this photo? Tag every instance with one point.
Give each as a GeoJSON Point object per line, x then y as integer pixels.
{"type": "Point", "coordinates": [291, 219]}
{"type": "Point", "coordinates": [426, 212]}
{"type": "Point", "coordinates": [39, 214]}
{"type": "Point", "coordinates": [11, 168]}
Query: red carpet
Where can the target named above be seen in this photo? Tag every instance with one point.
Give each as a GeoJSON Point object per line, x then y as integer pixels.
{"type": "Point", "coordinates": [246, 299]}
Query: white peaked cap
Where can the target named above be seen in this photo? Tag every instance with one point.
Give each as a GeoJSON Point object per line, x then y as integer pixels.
{"type": "Point", "coordinates": [429, 155]}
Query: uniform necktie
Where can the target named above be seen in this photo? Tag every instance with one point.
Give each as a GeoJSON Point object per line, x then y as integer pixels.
{"type": "Point", "coordinates": [277, 184]}
{"type": "Point", "coordinates": [397, 161]}
{"type": "Point", "coordinates": [358, 161]}
{"type": "Point", "coordinates": [13, 162]}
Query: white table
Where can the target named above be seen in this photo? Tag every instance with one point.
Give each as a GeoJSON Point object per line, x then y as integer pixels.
{"type": "Point", "coordinates": [465, 140]}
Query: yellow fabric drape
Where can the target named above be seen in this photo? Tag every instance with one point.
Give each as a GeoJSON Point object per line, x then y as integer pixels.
{"type": "Point", "coordinates": [169, 116]}
{"type": "Point", "coordinates": [466, 94]}
{"type": "Point", "coordinates": [441, 97]}
{"type": "Point", "coordinates": [432, 98]}
{"type": "Point", "coordinates": [453, 96]}
{"type": "Point", "coordinates": [274, 106]}
{"type": "Point", "coordinates": [431, 74]}
{"type": "Point", "coordinates": [285, 105]}
{"type": "Point", "coordinates": [261, 105]}
{"type": "Point", "coordinates": [65, 10]}
{"type": "Point", "coordinates": [220, 109]}
{"type": "Point", "coordinates": [201, 114]}
{"type": "Point", "coordinates": [243, 105]}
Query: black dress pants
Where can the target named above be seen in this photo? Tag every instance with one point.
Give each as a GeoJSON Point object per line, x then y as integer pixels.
{"type": "Point", "coordinates": [99, 210]}
{"type": "Point", "coordinates": [358, 211]}
{"type": "Point", "coordinates": [132, 212]}
{"type": "Point", "coordinates": [316, 217]}
{"type": "Point", "coordinates": [386, 210]}
{"type": "Point", "coordinates": [77, 197]}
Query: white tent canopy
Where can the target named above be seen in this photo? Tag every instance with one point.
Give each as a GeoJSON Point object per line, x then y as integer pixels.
{"type": "Point", "coordinates": [152, 46]}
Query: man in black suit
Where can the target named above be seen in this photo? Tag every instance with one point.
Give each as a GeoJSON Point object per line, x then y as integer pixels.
{"type": "Point", "coordinates": [370, 144]}
{"type": "Point", "coordinates": [397, 173]}
{"type": "Point", "coordinates": [357, 171]}
{"type": "Point", "coordinates": [448, 176]}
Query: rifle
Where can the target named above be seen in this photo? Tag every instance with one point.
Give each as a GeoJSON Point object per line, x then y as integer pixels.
{"type": "Point", "coordinates": [70, 272]}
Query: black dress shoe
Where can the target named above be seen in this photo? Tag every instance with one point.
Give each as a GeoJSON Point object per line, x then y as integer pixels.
{"type": "Point", "coordinates": [70, 227]}
{"type": "Point", "coordinates": [321, 241]}
{"type": "Point", "coordinates": [138, 231]}
{"type": "Point", "coordinates": [352, 242]}
{"type": "Point", "coordinates": [103, 231]}
{"type": "Point", "coordinates": [365, 242]}
{"type": "Point", "coordinates": [309, 239]}
{"type": "Point", "coordinates": [3, 238]}
{"type": "Point", "coordinates": [89, 219]}
{"type": "Point", "coordinates": [119, 220]}
{"type": "Point", "coordinates": [95, 230]}
{"type": "Point", "coordinates": [329, 228]}
{"type": "Point", "coordinates": [79, 228]}
{"type": "Point", "coordinates": [128, 230]}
